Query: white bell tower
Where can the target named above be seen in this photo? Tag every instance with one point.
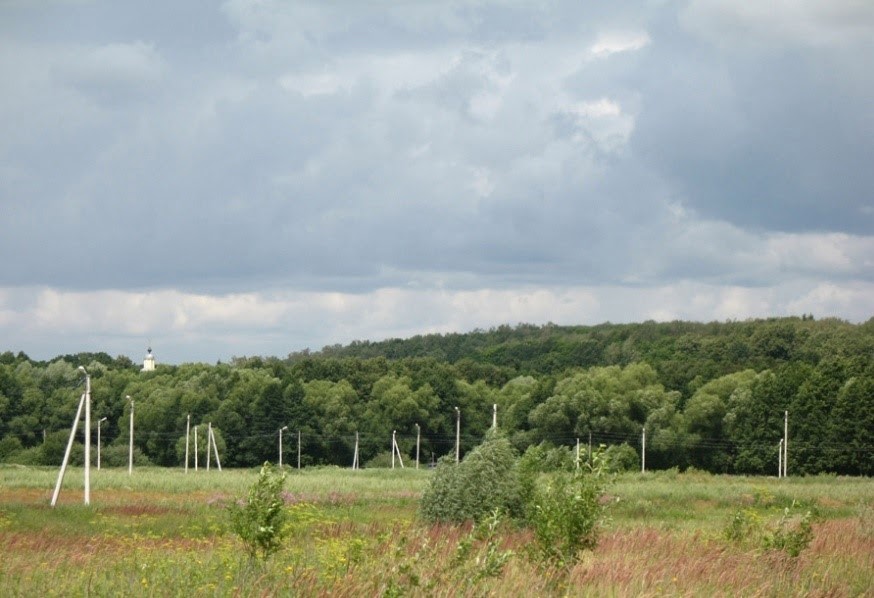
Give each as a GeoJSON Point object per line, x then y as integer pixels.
{"type": "Point", "coordinates": [149, 362]}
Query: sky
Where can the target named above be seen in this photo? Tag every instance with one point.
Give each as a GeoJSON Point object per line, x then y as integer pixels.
{"type": "Point", "coordinates": [258, 177]}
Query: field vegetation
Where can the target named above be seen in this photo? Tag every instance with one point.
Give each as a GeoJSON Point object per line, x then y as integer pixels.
{"type": "Point", "coordinates": [360, 533]}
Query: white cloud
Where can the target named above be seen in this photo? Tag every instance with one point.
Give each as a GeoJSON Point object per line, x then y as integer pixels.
{"type": "Point", "coordinates": [186, 326]}
{"type": "Point", "coordinates": [618, 42]}
{"type": "Point", "coordinates": [601, 121]}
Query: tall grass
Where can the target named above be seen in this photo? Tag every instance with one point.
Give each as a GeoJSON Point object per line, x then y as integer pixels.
{"type": "Point", "coordinates": [162, 532]}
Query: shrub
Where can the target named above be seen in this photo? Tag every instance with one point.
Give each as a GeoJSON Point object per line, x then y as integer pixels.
{"type": "Point", "coordinates": [9, 446]}
{"type": "Point", "coordinates": [743, 524]}
{"type": "Point", "coordinates": [118, 455]}
{"type": "Point", "coordinates": [565, 514]}
{"type": "Point", "coordinates": [545, 458]}
{"type": "Point", "coordinates": [621, 458]}
{"type": "Point", "coordinates": [792, 534]}
{"type": "Point", "coordinates": [30, 456]}
{"type": "Point", "coordinates": [383, 460]}
{"type": "Point", "coordinates": [260, 519]}
{"type": "Point", "coordinates": [486, 480]}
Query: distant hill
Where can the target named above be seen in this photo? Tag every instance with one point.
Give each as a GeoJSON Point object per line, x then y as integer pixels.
{"type": "Point", "coordinates": [682, 352]}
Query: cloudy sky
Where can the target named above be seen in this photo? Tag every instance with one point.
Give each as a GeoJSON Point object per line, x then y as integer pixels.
{"type": "Point", "coordinates": [255, 177]}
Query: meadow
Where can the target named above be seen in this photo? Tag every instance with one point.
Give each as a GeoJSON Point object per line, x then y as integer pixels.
{"type": "Point", "coordinates": [162, 532]}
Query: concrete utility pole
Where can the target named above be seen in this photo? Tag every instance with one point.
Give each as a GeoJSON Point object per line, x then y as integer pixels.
{"type": "Point", "coordinates": [130, 452]}
{"type": "Point", "coordinates": [298, 449]}
{"type": "Point", "coordinates": [195, 448]}
{"type": "Point", "coordinates": [215, 447]}
{"type": "Point", "coordinates": [187, 436]}
{"type": "Point", "coordinates": [643, 451]}
{"type": "Point", "coordinates": [395, 449]}
{"type": "Point", "coordinates": [418, 441]}
{"type": "Point", "coordinates": [780, 459]}
{"type": "Point", "coordinates": [280, 445]}
{"type": "Point", "coordinates": [495, 416]}
{"type": "Point", "coordinates": [355, 454]}
{"type": "Point", "coordinates": [87, 436]}
{"type": "Point", "coordinates": [785, 444]}
{"type": "Point", "coordinates": [67, 452]}
{"type": "Point", "coordinates": [457, 434]}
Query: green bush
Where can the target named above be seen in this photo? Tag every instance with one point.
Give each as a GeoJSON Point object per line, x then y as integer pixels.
{"type": "Point", "coordinates": [792, 534]}
{"type": "Point", "coordinates": [743, 524]}
{"type": "Point", "coordinates": [565, 514]}
{"type": "Point", "coordinates": [621, 457]}
{"type": "Point", "coordinates": [30, 456]}
{"type": "Point", "coordinates": [383, 460]}
{"type": "Point", "coordinates": [545, 458]}
{"type": "Point", "coordinates": [260, 520]}
{"type": "Point", "coordinates": [9, 446]}
{"type": "Point", "coordinates": [118, 455]}
{"type": "Point", "coordinates": [486, 480]}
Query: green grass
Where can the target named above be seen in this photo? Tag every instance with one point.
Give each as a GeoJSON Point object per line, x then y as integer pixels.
{"type": "Point", "coordinates": [166, 533]}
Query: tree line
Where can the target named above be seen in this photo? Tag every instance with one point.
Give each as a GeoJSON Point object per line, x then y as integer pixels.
{"type": "Point", "coordinates": [710, 396]}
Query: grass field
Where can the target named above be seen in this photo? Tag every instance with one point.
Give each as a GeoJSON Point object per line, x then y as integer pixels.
{"type": "Point", "coordinates": [166, 533]}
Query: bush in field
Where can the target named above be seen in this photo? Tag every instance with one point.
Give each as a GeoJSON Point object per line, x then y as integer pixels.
{"type": "Point", "coordinates": [9, 446]}
{"type": "Point", "coordinates": [383, 460]}
{"type": "Point", "coordinates": [30, 456]}
{"type": "Point", "coordinates": [260, 519]}
{"type": "Point", "coordinates": [545, 458]}
{"type": "Point", "coordinates": [565, 513]}
{"type": "Point", "coordinates": [621, 458]}
{"type": "Point", "coordinates": [792, 534]}
{"type": "Point", "coordinates": [743, 524]}
{"type": "Point", "coordinates": [486, 480]}
{"type": "Point", "coordinates": [118, 455]}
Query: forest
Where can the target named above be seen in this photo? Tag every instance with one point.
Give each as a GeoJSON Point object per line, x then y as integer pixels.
{"type": "Point", "coordinates": [710, 396]}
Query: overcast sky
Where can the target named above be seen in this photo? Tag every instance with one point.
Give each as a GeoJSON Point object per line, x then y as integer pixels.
{"type": "Point", "coordinates": [255, 177]}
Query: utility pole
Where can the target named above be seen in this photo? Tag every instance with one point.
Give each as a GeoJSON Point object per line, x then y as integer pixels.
{"type": "Point", "coordinates": [495, 416]}
{"type": "Point", "coordinates": [130, 451]}
{"type": "Point", "coordinates": [395, 449]}
{"type": "Point", "coordinates": [457, 434]}
{"type": "Point", "coordinates": [87, 436]}
{"type": "Point", "coordinates": [298, 449]}
{"type": "Point", "coordinates": [355, 454]}
{"type": "Point", "coordinates": [418, 441]}
{"type": "Point", "coordinates": [67, 452]}
{"type": "Point", "coordinates": [280, 445]}
{"type": "Point", "coordinates": [215, 447]}
{"type": "Point", "coordinates": [187, 435]}
{"type": "Point", "coordinates": [780, 459]}
{"type": "Point", "coordinates": [643, 451]}
{"type": "Point", "coordinates": [785, 444]}
{"type": "Point", "coordinates": [195, 448]}
{"type": "Point", "coordinates": [208, 443]}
